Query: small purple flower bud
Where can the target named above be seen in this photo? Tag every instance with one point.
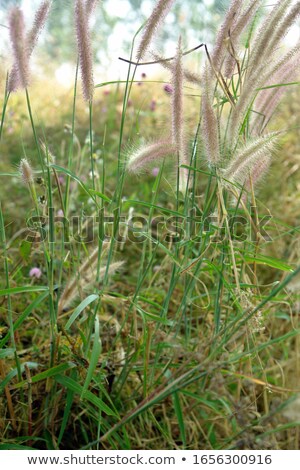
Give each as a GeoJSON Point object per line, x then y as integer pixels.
{"type": "Point", "coordinates": [153, 105]}
{"type": "Point", "coordinates": [35, 272]}
{"type": "Point", "coordinates": [60, 213]}
{"type": "Point", "coordinates": [168, 89]}
{"type": "Point", "coordinates": [155, 171]}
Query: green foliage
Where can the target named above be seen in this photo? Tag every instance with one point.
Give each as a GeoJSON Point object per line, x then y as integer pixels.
{"type": "Point", "coordinates": [194, 341]}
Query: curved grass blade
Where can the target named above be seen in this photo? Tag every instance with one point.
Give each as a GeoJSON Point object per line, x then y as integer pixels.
{"type": "Point", "coordinates": [91, 298]}
{"type": "Point", "coordinates": [86, 395]}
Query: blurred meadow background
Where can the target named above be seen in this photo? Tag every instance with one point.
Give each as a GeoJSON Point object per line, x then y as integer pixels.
{"type": "Point", "coordinates": [169, 336]}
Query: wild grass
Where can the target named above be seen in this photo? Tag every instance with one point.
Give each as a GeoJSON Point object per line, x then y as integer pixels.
{"type": "Point", "coordinates": [138, 312]}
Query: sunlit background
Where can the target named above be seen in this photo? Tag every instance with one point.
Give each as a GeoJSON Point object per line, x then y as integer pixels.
{"type": "Point", "coordinates": [114, 25]}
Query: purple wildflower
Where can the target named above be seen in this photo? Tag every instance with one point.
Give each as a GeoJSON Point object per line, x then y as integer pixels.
{"type": "Point", "coordinates": [35, 272]}
{"type": "Point", "coordinates": [153, 105]}
{"type": "Point", "coordinates": [168, 89]}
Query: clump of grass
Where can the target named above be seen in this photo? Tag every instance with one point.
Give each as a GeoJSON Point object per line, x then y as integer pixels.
{"type": "Point", "coordinates": [180, 347]}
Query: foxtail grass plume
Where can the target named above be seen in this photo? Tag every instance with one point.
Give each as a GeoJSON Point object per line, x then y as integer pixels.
{"type": "Point", "coordinates": [149, 154]}
{"type": "Point", "coordinates": [285, 25]}
{"type": "Point", "coordinates": [250, 157]}
{"type": "Point", "coordinates": [229, 22]}
{"type": "Point", "coordinates": [257, 173]}
{"type": "Point", "coordinates": [177, 99]}
{"type": "Point", "coordinates": [26, 171]}
{"type": "Point", "coordinates": [39, 22]}
{"type": "Point", "coordinates": [210, 124]}
{"type": "Point", "coordinates": [49, 157]}
{"type": "Point", "coordinates": [20, 72]}
{"type": "Point", "coordinates": [261, 50]}
{"type": "Point", "coordinates": [84, 49]}
{"type": "Point", "coordinates": [280, 63]}
{"type": "Point", "coordinates": [261, 64]}
{"type": "Point", "coordinates": [178, 137]}
{"type": "Point", "coordinates": [268, 99]}
{"type": "Point", "coordinates": [160, 11]}
{"type": "Point", "coordinates": [28, 43]}
{"type": "Point", "coordinates": [241, 24]}
{"type": "Point", "coordinates": [90, 6]}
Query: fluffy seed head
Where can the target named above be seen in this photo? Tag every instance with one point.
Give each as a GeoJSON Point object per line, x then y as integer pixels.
{"type": "Point", "coordinates": [19, 46]}
{"type": "Point", "coordinates": [39, 21]}
{"type": "Point", "coordinates": [177, 99]}
{"type": "Point", "coordinates": [258, 171]}
{"type": "Point", "coordinates": [90, 6]}
{"type": "Point", "coordinates": [229, 21]}
{"type": "Point", "coordinates": [160, 11]}
{"type": "Point", "coordinates": [26, 171]}
{"type": "Point", "coordinates": [149, 154]}
{"type": "Point", "coordinates": [84, 50]}
{"type": "Point", "coordinates": [178, 136]}
{"type": "Point", "coordinates": [268, 99]}
{"type": "Point", "coordinates": [242, 22]}
{"type": "Point", "coordinates": [26, 47]}
{"type": "Point", "coordinates": [284, 26]}
{"type": "Point", "coordinates": [210, 122]}
{"type": "Point", "coordinates": [264, 37]}
{"type": "Point", "coordinates": [249, 158]}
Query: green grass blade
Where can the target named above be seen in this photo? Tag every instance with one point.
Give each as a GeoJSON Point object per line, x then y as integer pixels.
{"type": "Point", "coordinates": [96, 351]}
{"type": "Point", "coordinates": [91, 298]}
{"type": "Point", "coordinates": [86, 395]}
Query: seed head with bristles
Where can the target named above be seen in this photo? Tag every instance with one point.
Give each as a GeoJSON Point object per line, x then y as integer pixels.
{"type": "Point", "coordinates": [147, 155]}
{"type": "Point", "coordinates": [177, 99]}
{"type": "Point", "coordinates": [27, 45]}
{"type": "Point", "coordinates": [178, 136]}
{"type": "Point", "coordinates": [84, 49]}
{"type": "Point", "coordinates": [26, 171]}
{"type": "Point", "coordinates": [220, 45]}
{"type": "Point", "coordinates": [39, 21]}
{"type": "Point", "coordinates": [269, 98]}
{"type": "Point", "coordinates": [160, 11]}
{"type": "Point", "coordinates": [249, 157]}
{"type": "Point", "coordinates": [242, 22]}
{"type": "Point", "coordinates": [20, 72]}
{"type": "Point", "coordinates": [90, 6]}
{"type": "Point", "coordinates": [264, 38]}
{"type": "Point", "coordinates": [209, 121]}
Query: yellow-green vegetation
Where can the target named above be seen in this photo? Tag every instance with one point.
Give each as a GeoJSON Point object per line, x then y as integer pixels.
{"type": "Point", "coordinates": [135, 315]}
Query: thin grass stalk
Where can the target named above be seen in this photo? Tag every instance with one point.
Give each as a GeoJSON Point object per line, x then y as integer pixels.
{"type": "Point", "coordinates": [91, 142]}
{"type": "Point", "coordinates": [6, 98]}
{"type": "Point", "coordinates": [53, 315]}
{"type": "Point", "coordinates": [34, 131]}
